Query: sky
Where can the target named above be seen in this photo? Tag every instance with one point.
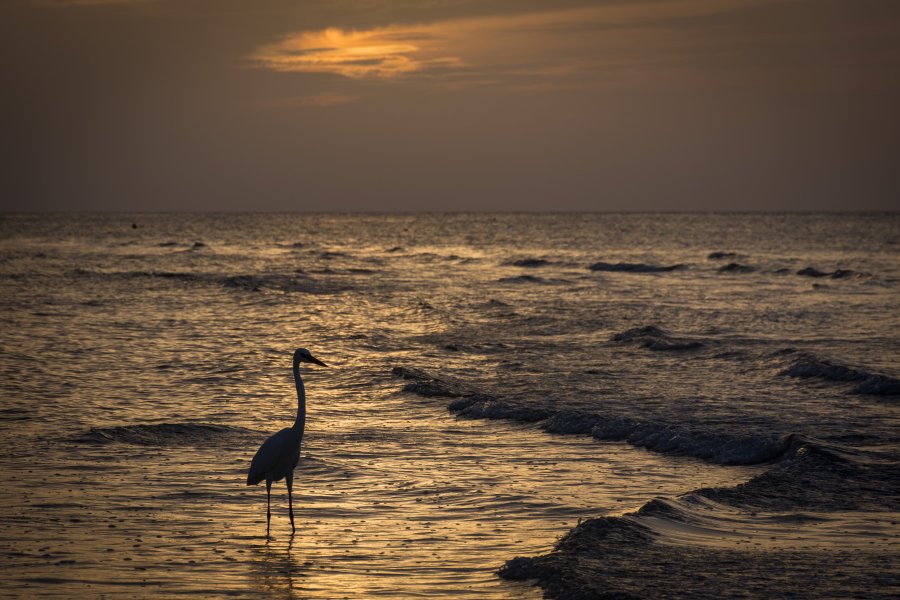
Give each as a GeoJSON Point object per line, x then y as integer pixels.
{"type": "Point", "coordinates": [450, 105]}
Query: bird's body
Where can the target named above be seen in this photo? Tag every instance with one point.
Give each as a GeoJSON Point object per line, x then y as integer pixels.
{"type": "Point", "coordinates": [277, 458]}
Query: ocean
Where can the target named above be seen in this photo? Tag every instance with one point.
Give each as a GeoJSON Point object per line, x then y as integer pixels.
{"type": "Point", "coordinates": [688, 405]}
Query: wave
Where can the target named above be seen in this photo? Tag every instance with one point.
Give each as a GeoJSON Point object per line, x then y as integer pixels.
{"type": "Point", "coordinates": [656, 338]}
{"type": "Point", "coordinates": [659, 437]}
{"type": "Point", "coordinates": [632, 267]}
{"type": "Point", "coordinates": [163, 434]}
{"type": "Point", "coordinates": [522, 279]}
{"type": "Point", "coordinates": [808, 366]}
{"type": "Point", "coordinates": [820, 477]}
{"type": "Point", "coordinates": [255, 283]}
{"type": "Point", "coordinates": [527, 262]}
{"type": "Point", "coordinates": [622, 557]}
{"type": "Point", "coordinates": [878, 385]}
{"type": "Point", "coordinates": [484, 406]}
{"type": "Point", "coordinates": [736, 268]}
{"type": "Point", "coordinates": [719, 255]}
{"type": "Point", "coordinates": [423, 384]}
{"type": "Point", "coordinates": [197, 247]}
{"type": "Point", "coordinates": [283, 283]}
{"type": "Point", "coordinates": [836, 274]}
{"type": "Point", "coordinates": [332, 254]}
{"type": "Point", "coordinates": [16, 414]}
{"type": "Point", "coordinates": [179, 276]}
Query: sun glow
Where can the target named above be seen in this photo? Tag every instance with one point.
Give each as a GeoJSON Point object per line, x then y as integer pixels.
{"type": "Point", "coordinates": [384, 53]}
{"type": "Point", "coordinates": [582, 44]}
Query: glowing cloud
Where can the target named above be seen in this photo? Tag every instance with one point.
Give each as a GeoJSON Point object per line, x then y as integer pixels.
{"type": "Point", "coordinates": [385, 53]}
{"type": "Point", "coordinates": [580, 43]}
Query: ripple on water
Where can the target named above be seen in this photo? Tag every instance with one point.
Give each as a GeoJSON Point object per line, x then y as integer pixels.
{"type": "Point", "coordinates": [107, 334]}
{"type": "Point", "coordinates": [384, 515]}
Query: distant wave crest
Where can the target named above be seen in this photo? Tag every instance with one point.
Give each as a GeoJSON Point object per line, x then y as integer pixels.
{"type": "Point", "coordinates": [807, 366]}
{"type": "Point", "coordinates": [836, 274]}
{"type": "Point", "coordinates": [736, 268]}
{"type": "Point", "coordinates": [656, 338]}
{"type": "Point", "coordinates": [162, 434]}
{"type": "Point", "coordinates": [527, 262]}
{"type": "Point", "coordinates": [284, 283]}
{"type": "Point", "coordinates": [522, 279]}
{"type": "Point", "coordinates": [249, 282]}
{"type": "Point", "coordinates": [633, 267]}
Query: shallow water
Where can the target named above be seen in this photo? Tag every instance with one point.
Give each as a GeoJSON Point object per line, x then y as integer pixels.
{"type": "Point", "coordinates": [141, 370]}
{"type": "Point", "coordinates": [400, 502]}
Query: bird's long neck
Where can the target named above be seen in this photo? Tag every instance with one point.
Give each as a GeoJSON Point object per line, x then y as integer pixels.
{"type": "Point", "coordinates": [300, 422]}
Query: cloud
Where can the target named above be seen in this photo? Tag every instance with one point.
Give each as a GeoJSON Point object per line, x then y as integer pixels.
{"type": "Point", "coordinates": [571, 43]}
{"type": "Point", "coordinates": [383, 53]}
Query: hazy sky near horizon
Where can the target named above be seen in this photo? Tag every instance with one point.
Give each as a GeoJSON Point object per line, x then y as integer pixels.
{"type": "Point", "coordinates": [383, 105]}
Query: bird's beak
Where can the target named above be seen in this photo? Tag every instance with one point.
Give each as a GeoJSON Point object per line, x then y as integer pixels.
{"type": "Point", "coordinates": [313, 359]}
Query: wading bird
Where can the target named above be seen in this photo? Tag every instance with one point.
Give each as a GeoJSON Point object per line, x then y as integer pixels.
{"type": "Point", "coordinates": [276, 458]}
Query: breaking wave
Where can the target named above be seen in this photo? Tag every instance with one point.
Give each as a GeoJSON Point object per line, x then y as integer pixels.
{"type": "Point", "coordinates": [817, 476]}
{"type": "Point", "coordinates": [617, 557]}
{"type": "Point", "coordinates": [659, 437]}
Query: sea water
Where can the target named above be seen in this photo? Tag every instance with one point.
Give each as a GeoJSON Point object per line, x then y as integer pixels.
{"type": "Point", "coordinates": [592, 363]}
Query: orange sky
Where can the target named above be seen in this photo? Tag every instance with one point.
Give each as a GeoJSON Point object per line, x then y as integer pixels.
{"type": "Point", "coordinates": [450, 105]}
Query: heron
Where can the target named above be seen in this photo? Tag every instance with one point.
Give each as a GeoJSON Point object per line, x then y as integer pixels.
{"type": "Point", "coordinates": [278, 456]}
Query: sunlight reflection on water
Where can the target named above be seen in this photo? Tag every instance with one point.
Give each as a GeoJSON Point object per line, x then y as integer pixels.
{"type": "Point", "coordinates": [403, 502]}
{"type": "Point", "coordinates": [395, 497]}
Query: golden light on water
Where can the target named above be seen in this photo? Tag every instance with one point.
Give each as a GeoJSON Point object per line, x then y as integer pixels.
{"type": "Point", "coordinates": [129, 435]}
{"type": "Point", "coordinates": [379, 511]}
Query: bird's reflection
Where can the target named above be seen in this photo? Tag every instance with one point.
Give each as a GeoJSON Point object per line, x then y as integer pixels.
{"type": "Point", "coordinates": [275, 570]}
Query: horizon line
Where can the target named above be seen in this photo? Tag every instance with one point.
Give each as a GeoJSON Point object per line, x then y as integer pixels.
{"type": "Point", "coordinates": [825, 211]}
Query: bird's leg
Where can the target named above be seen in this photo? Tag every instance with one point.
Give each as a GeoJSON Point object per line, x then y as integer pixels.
{"type": "Point", "coordinates": [290, 484]}
{"type": "Point", "coordinates": [268, 503]}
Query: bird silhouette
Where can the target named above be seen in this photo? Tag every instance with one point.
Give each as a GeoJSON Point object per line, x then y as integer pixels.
{"type": "Point", "coordinates": [278, 456]}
